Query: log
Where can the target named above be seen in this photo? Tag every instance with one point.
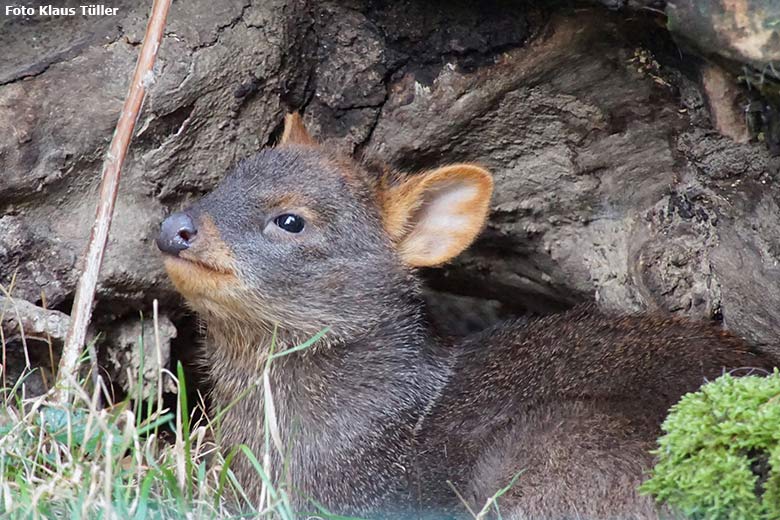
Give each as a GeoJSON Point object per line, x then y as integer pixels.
{"type": "Point", "coordinates": [624, 169]}
{"type": "Point", "coordinates": [22, 317]}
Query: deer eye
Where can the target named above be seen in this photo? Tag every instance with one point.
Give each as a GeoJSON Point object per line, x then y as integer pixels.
{"type": "Point", "coordinates": [290, 223]}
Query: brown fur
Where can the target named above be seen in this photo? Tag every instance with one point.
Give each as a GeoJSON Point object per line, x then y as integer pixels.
{"type": "Point", "coordinates": [378, 415]}
{"type": "Point", "coordinates": [403, 202]}
{"type": "Point", "coordinates": [576, 417]}
{"type": "Point", "coordinates": [295, 132]}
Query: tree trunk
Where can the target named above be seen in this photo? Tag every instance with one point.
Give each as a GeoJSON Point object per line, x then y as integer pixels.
{"type": "Point", "coordinates": [625, 168]}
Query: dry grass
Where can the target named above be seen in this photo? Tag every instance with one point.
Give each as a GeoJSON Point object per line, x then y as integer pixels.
{"type": "Point", "coordinates": [93, 458]}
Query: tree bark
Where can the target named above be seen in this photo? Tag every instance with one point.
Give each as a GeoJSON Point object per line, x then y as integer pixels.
{"type": "Point", "coordinates": [624, 168]}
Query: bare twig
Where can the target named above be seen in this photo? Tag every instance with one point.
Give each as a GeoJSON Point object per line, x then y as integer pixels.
{"type": "Point", "coordinates": [109, 184]}
{"type": "Point", "coordinates": [462, 500]}
{"type": "Point", "coordinates": [158, 352]}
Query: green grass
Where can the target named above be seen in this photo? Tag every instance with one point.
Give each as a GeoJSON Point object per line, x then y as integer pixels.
{"type": "Point", "coordinates": [135, 459]}
{"type": "Point", "coordinates": [131, 459]}
{"type": "Point", "coordinates": [82, 461]}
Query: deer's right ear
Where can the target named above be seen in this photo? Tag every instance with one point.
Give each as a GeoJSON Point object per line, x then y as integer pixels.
{"type": "Point", "coordinates": [435, 215]}
{"type": "Point", "coordinates": [295, 132]}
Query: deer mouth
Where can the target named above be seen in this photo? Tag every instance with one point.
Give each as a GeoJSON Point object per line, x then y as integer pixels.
{"type": "Point", "coordinates": [196, 264]}
{"type": "Point", "coordinates": [200, 281]}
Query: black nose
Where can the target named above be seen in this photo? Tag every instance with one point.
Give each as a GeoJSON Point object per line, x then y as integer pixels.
{"type": "Point", "coordinates": [176, 233]}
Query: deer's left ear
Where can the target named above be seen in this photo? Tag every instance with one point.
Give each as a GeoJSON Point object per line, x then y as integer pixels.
{"type": "Point", "coordinates": [295, 132]}
{"type": "Point", "coordinates": [435, 215]}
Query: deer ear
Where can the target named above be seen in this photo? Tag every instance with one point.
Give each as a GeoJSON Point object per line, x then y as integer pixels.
{"type": "Point", "coordinates": [295, 132]}
{"type": "Point", "coordinates": [435, 215]}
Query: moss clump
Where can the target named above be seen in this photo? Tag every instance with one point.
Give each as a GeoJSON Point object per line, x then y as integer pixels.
{"type": "Point", "coordinates": [720, 455]}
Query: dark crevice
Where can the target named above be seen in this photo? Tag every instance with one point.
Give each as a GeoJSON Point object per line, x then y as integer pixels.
{"type": "Point", "coordinates": [187, 348]}
{"type": "Point", "coordinates": [513, 301]}
{"type": "Point", "coordinates": [222, 28]}
{"type": "Point", "coordinates": [41, 67]}
{"type": "Point", "coordinates": [462, 34]}
{"type": "Point", "coordinates": [276, 135]}
{"type": "Point", "coordinates": [299, 83]}
{"type": "Point", "coordinates": [65, 305]}
{"type": "Point", "coordinates": [361, 147]}
{"type": "Point", "coordinates": [162, 127]}
{"type": "Point", "coordinates": [760, 467]}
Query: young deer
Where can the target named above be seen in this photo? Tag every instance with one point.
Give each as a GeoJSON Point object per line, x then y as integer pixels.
{"type": "Point", "coordinates": [378, 416]}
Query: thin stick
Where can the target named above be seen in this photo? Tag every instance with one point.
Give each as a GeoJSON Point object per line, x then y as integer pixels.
{"type": "Point", "coordinates": [109, 184]}
{"type": "Point", "coordinates": [158, 350]}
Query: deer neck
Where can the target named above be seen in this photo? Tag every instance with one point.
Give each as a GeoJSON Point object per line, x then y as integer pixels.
{"type": "Point", "coordinates": [342, 400]}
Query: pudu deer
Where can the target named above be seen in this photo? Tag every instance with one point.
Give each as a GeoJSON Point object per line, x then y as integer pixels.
{"type": "Point", "coordinates": [380, 419]}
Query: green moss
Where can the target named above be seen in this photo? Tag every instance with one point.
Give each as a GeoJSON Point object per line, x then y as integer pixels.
{"type": "Point", "coordinates": [720, 455]}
